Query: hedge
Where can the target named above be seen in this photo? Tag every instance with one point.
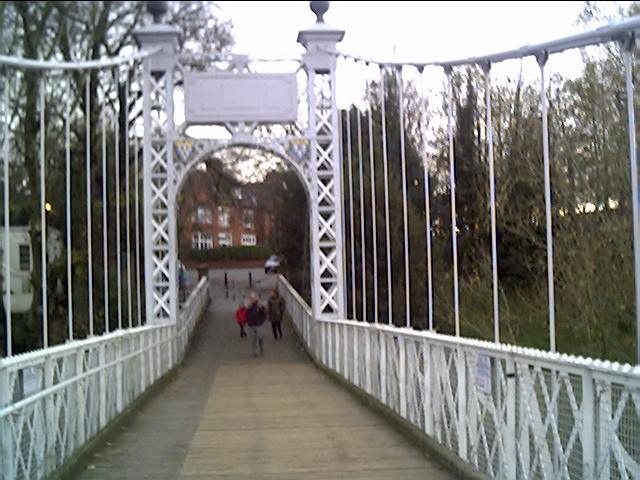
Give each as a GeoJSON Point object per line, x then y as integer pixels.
{"type": "Point", "coordinates": [258, 252]}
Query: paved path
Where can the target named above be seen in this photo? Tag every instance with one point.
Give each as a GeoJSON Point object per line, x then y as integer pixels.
{"type": "Point", "coordinates": [227, 415]}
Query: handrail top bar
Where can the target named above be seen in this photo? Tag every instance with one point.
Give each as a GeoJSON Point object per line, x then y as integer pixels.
{"type": "Point", "coordinates": [35, 357]}
{"type": "Point", "coordinates": [615, 31]}
{"type": "Point", "coordinates": [30, 63]}
{"type": "Point", "coordinates": [632, 371]}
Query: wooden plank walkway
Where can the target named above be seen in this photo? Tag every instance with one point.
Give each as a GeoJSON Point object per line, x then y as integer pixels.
{"type": "Point", "coordinates": [227, 415]}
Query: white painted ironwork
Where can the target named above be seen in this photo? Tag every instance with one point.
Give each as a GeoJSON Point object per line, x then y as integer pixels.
{"type": "Point", "coordinates": [351, 242]}
{"type": "Point", "coordinates": [628, 46]}
{"type": "Point", "coordinates": [68, 206]}
{"type": "Point", "coordinates": [508, 411]}
{"type": "Point", "coordinates": [221, 97]}
{"type": "Point", "coordinates": [542, 60]}
{"type": "Point", "coordinates": [127, 195]}
{"type": "Point", "coordinates": [454, 218]}
{"type": "Point", "coordinates": [610, 33]}
{"type": "Point", "coordinates": [374, 206]}
{"type": "Point", "coordinates": [136, 206]}
{"type": "Point", "coordinates": [105, 219]}
{"type": "Point", "coordinates": [6, 247]}
{"type": "Point", "coordinates": [511, 412]}
{"type": "Point", "coordinates": [89, 235]}
{"type": "Point", "coordinates": [116, 148]}
{"type": "Point", "coordinates": [157, 158]}
{"type": "Point", "coordinates": [426, 164]}
{"type": "Point", "coordinates": [102, 64]}
{"type": "Point", "coordinates": [326, 190]}
{"type": "Point", "coordinates": [492, 206]}
{"type": "Point", "coordinates": [387, 222]}
{"type": "Point", "coordinates": [54, 400]}
{"type": "Point", "coordinates": [43, 219]}
{"type": "Point", "coordinates": [97, 87]}
{"type": "Point", "coordinates": [363, 233]}
{"type": "Point", "coordinates": [190, 152]}
{"type": "Point", "coordinates": [405, 213]}
{"type": "Point", "coordinates": [319, 166]}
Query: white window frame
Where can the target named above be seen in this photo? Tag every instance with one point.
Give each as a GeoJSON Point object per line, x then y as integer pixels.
{"type": "Point", "coordinates": [224, 215]}
{"type": "Point", "coordinates": [225, 239]}
{"type": "Point", "coordinates": [201, 241]}
{"type": "Point", "coordinates": [248, 218]}
{"type": "Point", "coordinates": [24, 256]}
{"type": "Point", "coordinates": [202, 215]}
{"type": "Point", "coordinates": [248, 240]}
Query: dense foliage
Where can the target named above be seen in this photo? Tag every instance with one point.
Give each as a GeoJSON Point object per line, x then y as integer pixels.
{"type": "Point", "coordinates": [591, 209]}
{"type": "Point", "coordinates": [77, 31]}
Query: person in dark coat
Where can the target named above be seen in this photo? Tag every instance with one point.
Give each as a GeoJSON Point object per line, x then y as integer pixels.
{"type": "Point", "coordinates": [275, 311]}
{"type": "Point", "coordinates": [256, 316]}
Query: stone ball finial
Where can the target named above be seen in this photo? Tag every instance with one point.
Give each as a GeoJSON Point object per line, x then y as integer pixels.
{"type": "Point", "coordinates": [319, 8]}
{"type": "Point", "coordinates": [157, 9]}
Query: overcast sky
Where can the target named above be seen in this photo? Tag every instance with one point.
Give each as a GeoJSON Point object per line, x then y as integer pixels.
{"type": "Point", "coordinates": [408, 31]}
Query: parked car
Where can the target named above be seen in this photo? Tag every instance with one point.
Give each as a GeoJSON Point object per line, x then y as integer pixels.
{"type": "Point", "coordinates": [272, 264]}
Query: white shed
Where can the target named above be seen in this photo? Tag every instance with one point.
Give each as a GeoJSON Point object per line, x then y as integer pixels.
{"type": "Point", "coordinates": [21, 264]}
{"type": "Point", "coordinates": [20, 267]}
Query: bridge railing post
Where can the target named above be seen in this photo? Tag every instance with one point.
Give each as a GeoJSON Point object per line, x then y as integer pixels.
{"type": "Point", "coordinates": [588, 424]}
{"type": "Point", "coordinates": [102, 361]}
{"type": "Point", "coordinates": [402, 375]}
{"type": "Point", "coordinates": [51, 425]}
{"type": "Point", "coordinates": [366, 333]}
{"type": "Point", "coordinates": [382, 341]}
{"type": "Point", "coordinates": [7, 463]}
{"type": "Point", "coordinates": [119, 376]}
{"type": "Point", "coordinates": [80, 400]}
{"type": "Point", "coordinates": [461, 370]}
{"type": "Point", "coordinates": [428, 391]}
{"type": "Point", "coordinates": [509, 434]}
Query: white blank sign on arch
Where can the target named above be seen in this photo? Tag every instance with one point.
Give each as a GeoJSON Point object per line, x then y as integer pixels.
{"type": "Point", "coordinates": [221, 97]}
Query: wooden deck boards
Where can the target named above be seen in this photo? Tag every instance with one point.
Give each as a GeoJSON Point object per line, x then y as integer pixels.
{"type": "Point", "coordinates": [227, 415]}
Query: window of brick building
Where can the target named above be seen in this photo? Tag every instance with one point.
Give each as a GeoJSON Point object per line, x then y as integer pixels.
{"type": "Point", "coordinates": [201, 241]}
{"type": "Point", "coordinates": [224, 239]}
{"type": "Point", "coordinates": [24, 251]}
{"type": "Point", "coordinates": [202, 215]}
{"type": "Point", "coordinates": [223, 216]}
{"type": "Point", "coordinates": [248, 240]}
{"type": "Point", "coordinates": [247, 219]}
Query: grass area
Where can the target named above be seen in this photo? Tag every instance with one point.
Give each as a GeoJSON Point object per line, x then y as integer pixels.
{"type": "Point", "coordinates": [524, 321]}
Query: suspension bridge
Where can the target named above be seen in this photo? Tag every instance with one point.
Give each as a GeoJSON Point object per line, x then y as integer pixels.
{"type": "Point", "coordinates": [371, 379]}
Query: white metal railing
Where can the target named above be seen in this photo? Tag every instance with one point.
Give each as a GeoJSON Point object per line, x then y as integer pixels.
{"type": "Point", "coordinates": [510, 412]}
{"type": "Point", "coordinates": [191, 311]}
{"type": "Point", "coordinates": [52, 401]}
{"type": "Point", "coordinates": [417, 101]}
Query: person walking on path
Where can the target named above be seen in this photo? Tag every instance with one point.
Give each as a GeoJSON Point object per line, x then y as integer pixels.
{"type": "Point", "coordinates": [256, 316]}
{"type": "Point", "coordinates": [275, 311]}
{"type": "Point", "coordinates": [241, 318]}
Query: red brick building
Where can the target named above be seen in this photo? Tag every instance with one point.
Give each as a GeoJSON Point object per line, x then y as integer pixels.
{"type": "Point", "coordinates": [216, 211]}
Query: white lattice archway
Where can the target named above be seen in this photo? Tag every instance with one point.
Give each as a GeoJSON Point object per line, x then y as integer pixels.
{"type": "Point", "coordinates": [162, 168]}
{"type": "Point", "coordinates": [189, 152]}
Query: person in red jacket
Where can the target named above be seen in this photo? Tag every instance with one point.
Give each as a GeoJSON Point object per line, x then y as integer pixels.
{"type": "Point", "coordinates": [241, 318]}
